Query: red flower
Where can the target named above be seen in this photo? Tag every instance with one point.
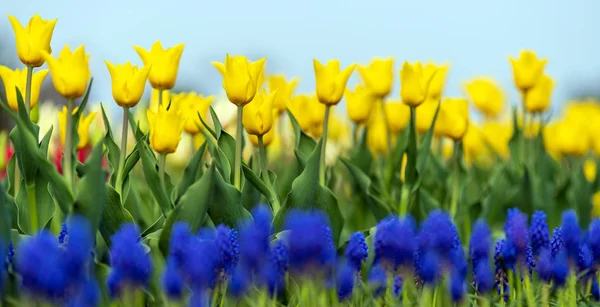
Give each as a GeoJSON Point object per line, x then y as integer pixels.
{"type": "Point", "coordinates": [8, 152]}
{"type": "Point", "coordinates": [82, 155]}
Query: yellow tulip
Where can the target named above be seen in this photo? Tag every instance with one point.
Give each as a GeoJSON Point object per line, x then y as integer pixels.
{"type": "Point", "coordinates": [437, 75]}
{"type": "Point", "coordinates": [589, 170]}
{"type": "Point", "coordinates": [83, 129]}
{"type": "Point", "coordinates": [300, 107]}
{"type": "Point", "coordinates": [198, 140]}
{"type": "Point", "coordinates": [34, 39]}
{"type": "Point", "coordinates": [258, 114]}
{"type": "Point", "coordinates": [527, 69]}
{"type": "Point", "coordinates": [70, 71]}
{"type": "Point", "coordinates": [498, 135]}
{"type": "Point", "coordinates": [378, 77]}
{"type": "Point", "coordinates": [268, 137]}
{"type": "Point", "coordinates": [566, 139]}
{"type": "Point", "coordinates": [447, 150]}
{"type": "Point", "coordinates": [190, 105]}
{"type": "Point", "coordinates": [359, 104]}
{"type": "Point", "coordinates": [474, 147]}
{"type": "Point", "coordinates": [538, 97]}
{"type": "Point", "coordinates": [240, 78]}
{"type": "Point", "coordinates": [596, 205]}
{"type": "Point", "coordinates": [486, 95]}
{"type": "Point", "coordinates": [425, 113]}
{"type": "Point", "coordinates": [166, 99]}
{"type": "Point", "coordinates": [338, 130]}
{"type": "Point", "coordinates": [377, 139]}
{"type": "Point", "coordinates": [284, 90]}
{"type": "Point", "coordinates": [414, 83]}
{"type": "Point", "coordinates": [398, 115]}
{"type": "Point", "coordinates": [18, 78]}
{"type": "Point", "coordinates": [453, 119]}
{"type": "Point", "coordinates": [331, 81]}
{"type": "Point", "coordinates": [164, 63]}
{"type": "Point", "coordinates": [128, 83]}
{"type": "Point", "coordinates": [166, 127]}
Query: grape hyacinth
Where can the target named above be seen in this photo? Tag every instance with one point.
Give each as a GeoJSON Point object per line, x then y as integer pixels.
{"type": "Point", "coordinates": [480, 244]}
{"type": "Point", "coordinates": [556, 243]}
{"type": "Point", "coordinates": [539, 234]}
{"type": "Point", "coordinates": [594, 240]}
{"type": "Point", "coordinates": [345, 280]}
{"type": "Point", "coordinates": [571, 234]}
{"type": "Point", "coordinates": [357, 250]}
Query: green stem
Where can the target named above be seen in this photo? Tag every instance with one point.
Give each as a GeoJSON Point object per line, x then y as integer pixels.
{"type": "Point", "coordinates": [68, 150]}
{"type": "Point", "coordinates": [322, 165]}
{"type": "Point", "coordinates": [426, 297]}
{"type": "Point", "coordinates": [388, 133]}
{"type": "Point", "coordinates": [354, 135]}
{"type": "Point", "coordinates": [573, 290]}
{"type": "Point", "coordinates": [33, 214]}
{"type": "Point", "coordinates": [162, 161]}
{"type": "Point", "coordinates": [28, 88]}
{"type": "Point", "coordinates": [237, 180]}
{"type": "Point", "coordinates": [160, 94]}
{"type": "Point", "coordinates": [262, 159]}
{"type": "Point", "coordinates": [17, 179]}
{"type": "Point", "coordinates": [545, 294]}
{"type": "Point", "coordinates": [124, 132]}
{"type": "Point", "coordinates": [455, 180]}
{"type": "Point", "coordinates": [529, 295]}
{"type": "Point", "coordinates": [404, 197]}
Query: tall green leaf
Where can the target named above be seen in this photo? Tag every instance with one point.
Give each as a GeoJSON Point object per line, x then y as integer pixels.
{"type": "Point", "coordinates": [90, 195]}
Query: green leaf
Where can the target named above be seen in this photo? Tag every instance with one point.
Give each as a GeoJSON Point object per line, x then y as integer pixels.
{"type": "Point", "coordinates": [307, 194]}
{"type": "Point", "coordinates": [208, 127]}
{"type": "Point", "coordinates": [515, 144]}
{"type": "Point", "coordinates": [226, 205]}
{"type": "Point", "coordinates": [114, 214]}
{"type": "Point", "coordinates": [251, 193]}
{"type": "Point", "coordinates": [304, 143]}
{"type": "Point", "coordinates": [425, 147]}
{"type": "Point", "coordinates": [411, 171]}
{"type": "Point", "coordinates": [226, 144]}
{"type": "Point", "coordinates": [114, 152]}
{"type": "Point", "coordinates": [376, 204]}
{"type": "Point", "coordinates": [216, 122]}
{"type": "Point", "coordinates": [45, 143]}
{"type": "Point", "coordinates": [89, 199]}
{"type": "Point", "coordinates": [150, 172]}
{"type": "Point", "coordinates": [191, 173]}
{"type": "Point", "coordinates": [362, 157]}
{"type": "Point", "coordinates": [24, 148]}
{"type": "Point", "coordinates": [256, 182]}
{"type": "Point", "coordinates": [427, 203]}
{"type": "Point", "coordinates": [10, 175]}
{"type": "Point", "coordinates": [192, 207]}
{"type": "Point", "coordinates": [5, 219]}
{"type": "Point", "coordinates": [221, 160]}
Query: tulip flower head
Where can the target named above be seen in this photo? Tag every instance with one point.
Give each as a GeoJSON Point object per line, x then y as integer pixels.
{"type": "Point", "coordinates": [454, 118]}
{"type": "Point", "coordinates": [34, 39]}
{"type": "Point", "coordinates": [240, 78]}
{"type": "Point", "coordinates": [398, 115]}
{"type": "Point", "coordinates": [497, 135]}
{"type": "Point", "coordinates": [359, 104]}
{"type": "Point", "coordinates": [486, 95]}
{"type": "Point", "coordinates": [17, 79]}
{"type": "Point", "coordinates": [331, 81]}
{"type": "Point", "coordinates": [164, 62]}
{"type": "Point", "coordinates": [192, 105]}
{"type": "Point", "coordinates": [268, 137]}
{"type": "Point", "coordinates": [425, 114]}
{"type": "Point", "coordinates": [377, 139]}
{"type": "Point", "coordinates": [437, 75]}
{"type": "Point", "coordinates": [258, 115]}
{"type": "Point", "coordinates": [527, 69]}
{"type": "Point", "coordinates": [309, 113]}
{"type": "Point", "coordinates": [83, 129]}
{"type": "Point", "coordinates": [284, 89]}
{"type": "Point", "coordinates": [166, 126]}
{"type": "Point", "coordinates": [590, 169]}
{"type": "Point", "coordinates": [378, 77]}
{"type": "Point", "coordinates": [414, 83]}
{"type": "Point", "coordinates": [128, 83]}
{"type": "Point", "coordinates": [70, 71]}
{"type": "Point", "coordinates": [538, 98]}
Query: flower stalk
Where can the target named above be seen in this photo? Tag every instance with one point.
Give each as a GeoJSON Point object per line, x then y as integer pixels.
{"type": "Point", "coordinates": [239, 135]}
{"type": "Point", "coordinates": [68, 150]}
{"type": "Point", "coordinates": [123, 155]}
{"type": "Point", "coordinates": [262, 159]}
{"type": "Point", "coordinates": [162, 159]}
{"type": "Point", "coordinates": [324, 145]}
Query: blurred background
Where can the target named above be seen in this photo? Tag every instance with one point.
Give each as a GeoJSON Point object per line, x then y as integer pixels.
{"type": "Point", "coordinates": [474, 36]}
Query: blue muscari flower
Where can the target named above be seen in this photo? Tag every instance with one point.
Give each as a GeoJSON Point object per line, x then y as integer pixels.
{"type": "Point", "coordinates": [357, 250]}
{"type": "Point", "coordinates": [501, 277]}
{"type": "Point", "coordinates": [545, 265]}
{"type": "Point", "coordinates": [483, 279]}
{"type": "Point", "coordinates": [38, 261]}
{"type": "Point", "coordinates": [79, 247]}
{"type": "Point", "coordinates": [439, 233]}
{"type": "Point", "coordinates": [585, 260]}
{"type": "Point", "coordinates": [280, 256]}
{"type": "Point", "coordinates": [556, 243]}
{"type": "Point", "coordinates": [131, 265]}
{"type": "Point", "coordinates": [238, 283]}
{"type": "Point", "coordinates": [62, 236]}
{"type": "Point", "coordinates": [377, 280]}
{"type": "Point", "coordinates": [345, 279]}
{"type": "Point", "coordinates": [539, 234]}
{"type": "Point", "coordinates": [310, 242]}
{"type": "Point", "coordinates": [595, 289]}
{"type": "Point", "coordinates": [560, 268]}
{"type": "Point", "coordinates": [180, 237]}
{"type": "Point", "coordinates": [254, 241]}
{"type": "Point", "coordinates": [88, 295]}
{"type": "Point", "coordinates": [10, 254]}
{"type": "Point", "coordinates": [429, 267]}
{"type": "Point", "coordinates": [395, 242]}
{"type": "Point", "coordinates": [481, 243]}
{"type": "Point", "coordinates": [398, 285]}
{"type": "Point", "coordinates": [457, 286]}
{"type": "Point", "coordinates": [459, 263]}
{"type": "Point", "coordinates": [571, 233]}
{"type": "Point", "coordinates": [226, 240]}
{"type": "Point", "coordinates": [200, 266]}
{"type": "Point", "coordinates": [516, 232]}
{"type": "Point", "coordinates": [594, 239]}
{"type": "Point", "coordinates": [271, 278]}
{"type": "Point", "coordinates": [172, 282]}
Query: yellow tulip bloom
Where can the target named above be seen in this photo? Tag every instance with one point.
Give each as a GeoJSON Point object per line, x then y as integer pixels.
{"type": "Point", "coordinates": [498, 135]}
{"type": "Point", "coordinates": [596, 205]}
{"type": "Point", "coordinates": [403, 168]}
{"type": "Point", "coordinates": [166, 98]}
{"type": "Point", "coordinates": [398, 115]}
{"type": "Point", "coordinates": [164, 63]}
{"type": "Point", "coordinates": [474, 147]}
{"type": "Point", "coordinates": [300, 107]}
{"type": "Point", "coordinates": [190, 105]}
{"type": "Point", "coordinates": [378, 77]}
{"type": "Point", "coordinates": [268, 137]}
{"type": "Point", "coordinates": [128, 83]}
{"type": "Point", "coordinates": [338, 130]}
{"type": "Point", "coordinates": [83, 129]}
{"type": "Point", "coordinates": [34, 39]}
{"type": "Point", "coordinates": [70, 71]}
{"type": "Point", "coordinates": [258, 114]}
{"type": "Point", "coordinates": [566, 139]}
{"type": "Point", "coordinates": [359, 104]}
{"type": "Point", "coordinates": [331, 81]}
{"type": "Point", "coordinates": [166, 127]}
{"type": "Point", "coordinates": [437, 75]}
{"type": "Point", "coordinates": [240, 78]}
{"type": "Point", "coordinates": [18, 78]}
{"type": "Point", "coordinates": [414, 83]}
{"type": "Point", "coordinates": [425, 113]}
{"type": "Point", "coordinates": [377, 139]}
{"type": "Point", "coordinates": [538, 97]}
{"type": "Point", "coordinates": [284, 90]}
{"type": "Point", "coordinates": [589, 170]}
{"type": "Point", "coordinates": [453, 119]}
{"type": "Point", "coordinates": [486, 95]}
{"type": "Point", "coordinates": [527, 69]}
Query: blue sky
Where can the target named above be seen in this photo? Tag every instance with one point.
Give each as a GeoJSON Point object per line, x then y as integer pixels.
{"type": "Point", "coordinates": [474, 36]}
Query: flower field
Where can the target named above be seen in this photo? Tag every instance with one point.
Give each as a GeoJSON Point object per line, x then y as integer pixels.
{"type": "Point", "coordinates": [268, 197]}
